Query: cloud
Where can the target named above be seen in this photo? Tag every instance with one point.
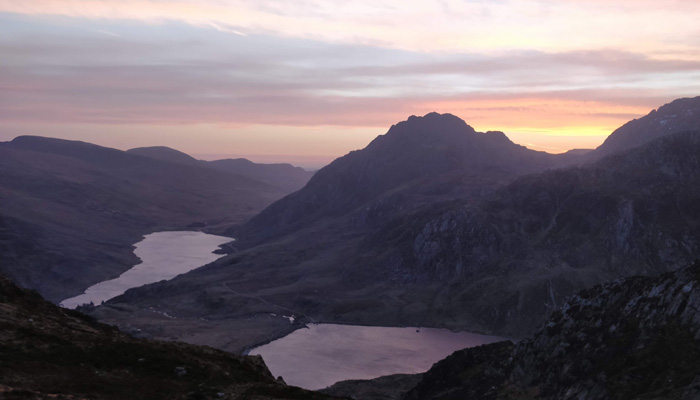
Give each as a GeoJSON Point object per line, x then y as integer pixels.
{"type": "Point", "coordinates": [67, 70]}
{"type": "Point", "coordinates": [425, 25]}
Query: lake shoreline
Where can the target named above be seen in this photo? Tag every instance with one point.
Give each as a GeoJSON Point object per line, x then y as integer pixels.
{"type": "Point", "coordinates": [337, 352]}
{"type": "Point", "coordinates": [160, 259]}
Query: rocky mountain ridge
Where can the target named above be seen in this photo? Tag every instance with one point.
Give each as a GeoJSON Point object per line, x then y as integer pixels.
{"type": "Point", "coordinates": [633, 338]}
{"type": "Point", "coordinates": [518, 254]}
{"type": "Point", "coordinates": [677, 116]}
{"type": "Point", "coordinates": [418, 161]}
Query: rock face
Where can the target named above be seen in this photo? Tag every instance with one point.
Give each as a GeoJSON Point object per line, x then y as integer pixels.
{"type": "Point", "coordinates": [517, 255]}
{"type": "Point", "coordinates": [634, 338]}
{"type": "Point", "coordinates": [49, 352]}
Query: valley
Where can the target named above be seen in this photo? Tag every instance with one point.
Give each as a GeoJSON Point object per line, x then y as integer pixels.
{"type": "Point", "coordinates": [72, 210]}
{"type": "Point", "coordinates": [332, 353]}
{"type": "Point", "coordinates": [403, 233]}
{"type": "Point", "coordinates": [432, 225]}
{"type": "Point", "coordinates": [163, 256]}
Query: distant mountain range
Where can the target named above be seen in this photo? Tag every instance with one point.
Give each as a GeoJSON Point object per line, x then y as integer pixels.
{"type": "Point", "coordinates": [70, 211]}
{"type": "Point", "coordinates": [284, 176]}
{"type": "Point", "coordinates": [434, 224]}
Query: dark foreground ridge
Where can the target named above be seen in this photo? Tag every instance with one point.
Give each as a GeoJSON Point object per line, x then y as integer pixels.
{"type": "Point", "coordinates": [635, 338]}
{"type": "Point", "coordinates": [50, 352]}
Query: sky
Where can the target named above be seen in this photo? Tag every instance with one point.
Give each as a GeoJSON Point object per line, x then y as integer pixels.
{"type": "Point", "coordinates": [307, 81]}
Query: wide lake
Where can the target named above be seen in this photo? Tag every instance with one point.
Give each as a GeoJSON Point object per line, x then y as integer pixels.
{"type": "Point", "coordinates": [323, 354]}
{"type": "Point", "coordinates": [164, 255]}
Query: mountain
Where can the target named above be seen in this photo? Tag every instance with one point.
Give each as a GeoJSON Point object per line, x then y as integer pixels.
{"type": "Point", "coordinates": [418, 161]}
{"type": "Point", "coordinates": [630, 339]}
{"type": "Point", "coordinates": [70, 211]}
{"type": "Point", "coordinates": [164, 153]}
{"type": "Point", "coordinates": [284, 176]}
{"type": "Point", "coordinates": [507, 261]}
{"type": "Point", "coordinates": [491, 255]}
{"type": "Point", "coordinates": [677, 116]}
{"type": "Point", "coordinates": [306, 252]}
{"type": "Point", "coordinates": [50, 352]}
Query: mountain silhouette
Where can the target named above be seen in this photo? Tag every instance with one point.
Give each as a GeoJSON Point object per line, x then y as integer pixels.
{"type": "Point", "coordinates": [418, 161]}
{"type": "Point", "coordinates": [284, 176]}
{"type": "Point", "coordinates": [677, 116]}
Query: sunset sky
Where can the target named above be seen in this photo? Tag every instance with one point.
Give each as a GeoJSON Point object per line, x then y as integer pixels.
{"type": "Point", "coordinates": [307, 81]}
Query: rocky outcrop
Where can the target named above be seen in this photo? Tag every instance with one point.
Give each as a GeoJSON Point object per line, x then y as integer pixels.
{"type": "Point", "coordinates": [637, 338]}
{"type": "Point", "coordinates": [548, 235]}
{"type": "Point", "coordinates": [390, 387]}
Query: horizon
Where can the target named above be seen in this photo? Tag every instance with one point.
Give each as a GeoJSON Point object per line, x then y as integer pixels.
{"type": "Point", "coordinates": [309, 163]}
{"type": "Point", "coordinates": [309, 82]}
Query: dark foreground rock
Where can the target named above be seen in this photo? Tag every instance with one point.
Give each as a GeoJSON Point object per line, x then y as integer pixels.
{"type": "Point", "coordinates": [632, 339]}
{"type": "Point", "coordinates": [49, 352]}
{"type": "Point", "coordinates": [390, 387]}
{"type": "Point", "coordinates": [636, 338]}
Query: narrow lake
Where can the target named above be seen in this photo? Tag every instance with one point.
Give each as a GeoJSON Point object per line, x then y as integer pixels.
{"type": "Point", "coordinates": [323, 354]}
{"type": "Point", "coordinates": [164, 255]}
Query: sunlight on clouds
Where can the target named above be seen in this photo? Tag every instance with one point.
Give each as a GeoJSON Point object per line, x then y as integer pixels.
{"type": "Point", "coordinates": [448, 25]}
{"type": "Point", "coordinates": [325, 77]}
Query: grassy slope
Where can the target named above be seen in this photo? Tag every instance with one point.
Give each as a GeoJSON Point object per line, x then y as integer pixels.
{"type": "Point", "coordinates": [46, 351]}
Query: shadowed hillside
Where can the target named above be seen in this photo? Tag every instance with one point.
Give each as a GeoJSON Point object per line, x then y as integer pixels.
{"type": "Point", "coordinates": [50, 352]}
{"type": "Point", "coordinates": [286, 177]}
{"type": "Point", "coordinates": [677, 116]}
{"type": "Point", "coordinates": [418, 161]}
{"type": "Point", "coordinates": [635, 338]}
{"type": "Point", "coordinates": [70, 211]}
{"type": "Point", "coordinates": [492, 260]}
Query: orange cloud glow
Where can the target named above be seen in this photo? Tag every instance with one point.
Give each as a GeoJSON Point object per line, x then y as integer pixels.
{"type": "Point", "coordinates": [313, 79]}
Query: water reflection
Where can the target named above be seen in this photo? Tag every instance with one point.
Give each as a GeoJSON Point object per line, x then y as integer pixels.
{"type": "Point", "coordinates": [323, 354]}
{"type": "Point", "coordinates": [164, 255]}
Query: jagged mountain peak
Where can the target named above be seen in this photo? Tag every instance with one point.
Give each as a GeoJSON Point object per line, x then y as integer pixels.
{"type": "Point", "coordinates": [436, 119]}
{"type": "Point", "coordinates": [437, 155]}
{"type": "Point", "coordinates": [432, 126]}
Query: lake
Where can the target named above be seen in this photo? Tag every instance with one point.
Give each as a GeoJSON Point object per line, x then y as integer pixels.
{"type": "Point", "coordinates": [164, 255]}
{"type": "Point", "coordinates": [323, 354]}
